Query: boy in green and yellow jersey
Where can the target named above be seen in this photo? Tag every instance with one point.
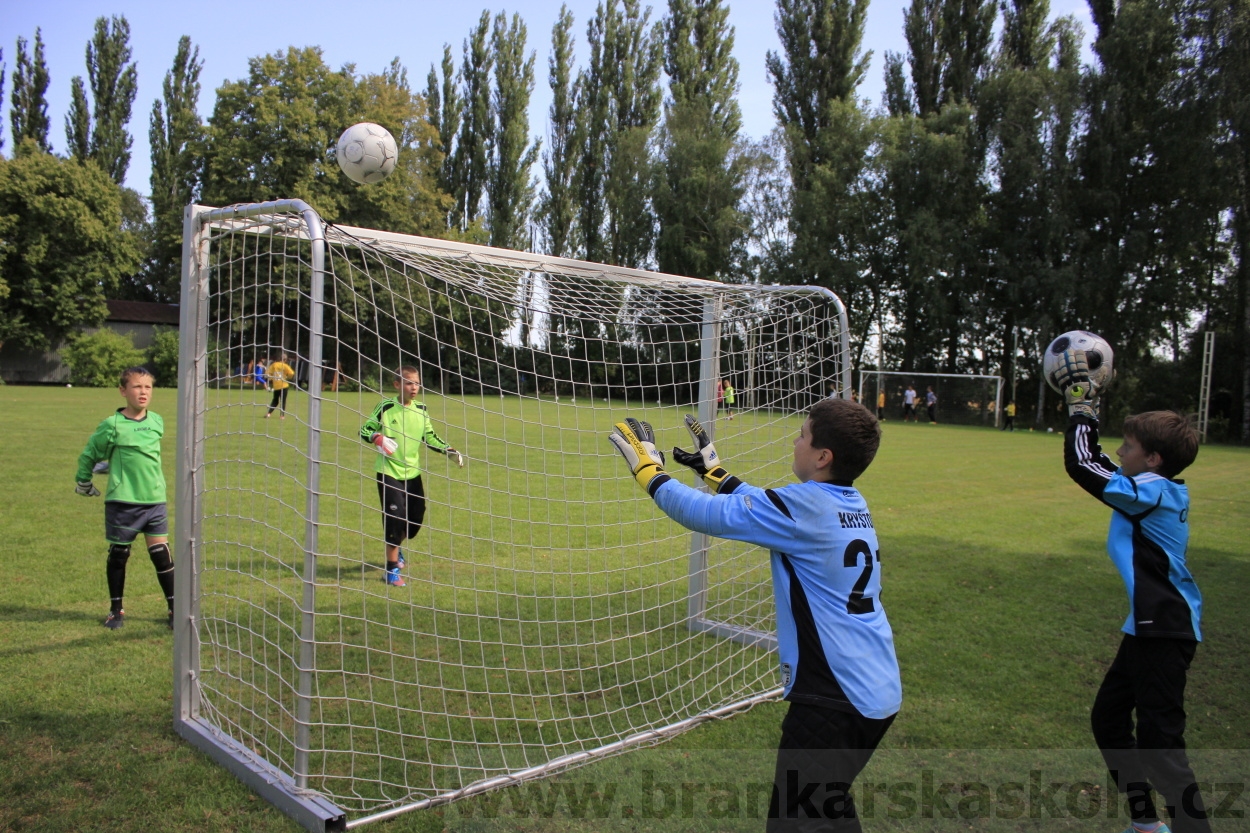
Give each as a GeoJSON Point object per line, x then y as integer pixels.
{"type": "Point", "coordinates": [398, 427]}
{"type": "Point", "coordinates": [134, 501]}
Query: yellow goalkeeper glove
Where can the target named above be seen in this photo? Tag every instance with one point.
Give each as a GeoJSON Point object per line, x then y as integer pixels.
{"type": "Point", "coordinates": [1079, 391]}
{"type": "Point", "coordinates": [704, 460]}
{"type": "Point", "coordinates": [636, 442]}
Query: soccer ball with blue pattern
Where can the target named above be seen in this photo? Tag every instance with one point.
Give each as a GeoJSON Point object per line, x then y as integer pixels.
{"type": "Point", "coordinates": [367, 153]}
{"type": "Point", "coordinates": [1098, 354]}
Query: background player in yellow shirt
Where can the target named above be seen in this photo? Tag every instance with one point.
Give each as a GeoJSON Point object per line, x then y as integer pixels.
{"type": "Point", "coordinates": [279, 374]}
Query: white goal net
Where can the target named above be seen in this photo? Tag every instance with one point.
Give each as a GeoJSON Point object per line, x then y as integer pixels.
{"type": "Point", "coordinates": [551, 614]}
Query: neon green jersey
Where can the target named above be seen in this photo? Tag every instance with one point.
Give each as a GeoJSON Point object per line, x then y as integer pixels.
{"type": "Point", "coordinates": [133, 449]}
{"type": "Point", "coordinates": [410, 426]}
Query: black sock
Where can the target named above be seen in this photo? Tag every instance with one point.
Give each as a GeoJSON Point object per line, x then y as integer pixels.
{"type": "Point", "coordinates": [159, 553]}
{"type": "Point", "coordinates": [115, 570]}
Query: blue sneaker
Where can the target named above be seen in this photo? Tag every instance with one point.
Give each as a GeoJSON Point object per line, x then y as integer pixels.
{"type": "Point", "coordinates": [394, 579]}
{"type": "Point", "coordinates": [402, 562]}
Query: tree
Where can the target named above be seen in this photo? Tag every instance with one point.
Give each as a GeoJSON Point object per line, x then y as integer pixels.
{"type": "Point", "coordinates": [3, 67]}
{"type": "Point", "coordinates": [63, 247]}
{"type": "Point", "coordinates": [633, 50]}
{"type": "Point", "coordinates": [556, 209]}
{"type": "Point", "coordinates": [113, 78]}
{"type": "Point", "coordinates": [445, 107]}
{"type": "Point", "coordinates": [78, 121]}
{"type": "Point", "coordinates": [28, 110]}
{"type": "Point", "coordinates": [700, 180]}
{"type": "Point", "coordinates": [176, 136]}
{"type": "Point", "coordinates": [827, 141]}
{"type": "Point", "coordinates": [270, 133]}
{"type": "Point", "coordinates": [510, 193]}
{"type": "Point", "coordinates": [470, 157]}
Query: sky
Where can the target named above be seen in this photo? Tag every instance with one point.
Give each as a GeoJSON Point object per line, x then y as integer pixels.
{"type": "Point", "coordinates": [369, 35]}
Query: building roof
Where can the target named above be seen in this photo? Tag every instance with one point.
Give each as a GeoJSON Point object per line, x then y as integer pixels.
{"type": "Point", "coordinates": [142, 312]}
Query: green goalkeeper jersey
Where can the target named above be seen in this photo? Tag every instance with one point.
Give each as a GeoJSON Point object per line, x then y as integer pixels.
{"type": "Point", "coordinates": [133, 449]}
{"type": "Point", "coordinates": [409, 426]}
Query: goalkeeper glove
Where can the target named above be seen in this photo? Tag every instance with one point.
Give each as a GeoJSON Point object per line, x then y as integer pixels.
{"type": "Point", "coordinates": [456, 456]}
{"type": "Point", "coordinates": [704, 460]}
{"type": "Point", "coordinates": [87, 489]}
{"type": "Point", "coordinates": [636, 442]}
{"type": "Point", "coordinates": [1079, 391]}
{"type": "Point", "coordinates": [385, 445]}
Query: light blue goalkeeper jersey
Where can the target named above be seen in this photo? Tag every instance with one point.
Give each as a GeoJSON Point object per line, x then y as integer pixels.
{"type": "Point", "coordinates": [1147, 540]}
{"type": "Point", "coordinates": [835, 644]}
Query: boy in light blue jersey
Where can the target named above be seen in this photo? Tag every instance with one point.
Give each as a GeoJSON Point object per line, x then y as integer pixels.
{"type": "Point", "coordinates": [1147, 543]}
{"type": "Point", "coordinates": [838, 666]}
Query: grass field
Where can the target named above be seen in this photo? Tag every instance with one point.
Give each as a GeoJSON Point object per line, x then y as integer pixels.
{"type": "Point", "coordinates": [1005, 610]}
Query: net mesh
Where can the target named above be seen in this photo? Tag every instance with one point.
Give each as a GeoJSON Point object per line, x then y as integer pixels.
{"type": "Point", "coordinates": [550, 608]}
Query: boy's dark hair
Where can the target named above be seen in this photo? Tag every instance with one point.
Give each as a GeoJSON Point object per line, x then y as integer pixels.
{"type": "Point", "coordinates": [1167, 434]}
{"type": "Point", "coordinates": [134, 371]}
{"type": "Point", "coordinates": [850, 431]}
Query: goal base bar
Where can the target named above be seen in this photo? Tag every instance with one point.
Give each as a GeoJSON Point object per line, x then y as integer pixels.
{"type": "Point", "coordinates": [307, 808]}
{"type": "Point", "coordinates": [568, 761]}
{"type": "Point", "coordinates": [735, 633]}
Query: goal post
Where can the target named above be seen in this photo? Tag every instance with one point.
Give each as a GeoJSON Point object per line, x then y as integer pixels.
{"type": "Point", "coordinates": [552, 615]}
{"type": "Point", "coordinates": [963, 398]}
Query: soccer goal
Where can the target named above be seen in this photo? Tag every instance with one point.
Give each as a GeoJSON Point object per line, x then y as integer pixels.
{"type": "Point", "coordinates": [962, 399]}
{"type": "Point", "coordinates": [552, 615]}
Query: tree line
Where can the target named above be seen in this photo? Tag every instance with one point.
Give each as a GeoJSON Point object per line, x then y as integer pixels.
{"type": "Point", "coordinates": [1001, 192]}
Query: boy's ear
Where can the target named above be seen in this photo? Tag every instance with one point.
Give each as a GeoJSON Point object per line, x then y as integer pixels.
{"type": "Point", "coordinates": [1154, 461]}
{"type": "Point", "coordinates": [825, 458]}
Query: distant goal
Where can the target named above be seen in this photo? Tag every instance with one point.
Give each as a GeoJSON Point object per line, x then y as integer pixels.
{"type": "Point", "coordinates": [552, 615]}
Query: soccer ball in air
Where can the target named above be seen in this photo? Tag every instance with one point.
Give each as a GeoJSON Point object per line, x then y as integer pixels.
{"type": "Point", "coordinates": [1097, 352]}
{"type": "Point", "coordinates": [366, 152]}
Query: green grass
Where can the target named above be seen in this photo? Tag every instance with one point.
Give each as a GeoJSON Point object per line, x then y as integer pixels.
{"type": "Point", "coordinates": [1004, 606]}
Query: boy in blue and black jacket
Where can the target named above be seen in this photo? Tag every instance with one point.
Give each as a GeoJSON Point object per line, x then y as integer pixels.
{"type": "Point", "coordinates": [1147, 543]}
{"type": "Point", "coordinates": [838, 666]}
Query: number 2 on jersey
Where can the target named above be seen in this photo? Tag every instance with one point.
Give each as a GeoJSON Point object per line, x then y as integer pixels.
{"type": "Point", "coordinates": [858, 603]}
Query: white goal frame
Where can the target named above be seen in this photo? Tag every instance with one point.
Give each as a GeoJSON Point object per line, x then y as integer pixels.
{"type": "Point", "coordinates": [292, 789]}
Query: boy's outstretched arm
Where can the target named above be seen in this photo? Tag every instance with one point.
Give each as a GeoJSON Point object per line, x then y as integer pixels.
{"type": "Point", "coordinates": [1082, 455]}
{"type": "Point", "coordinates": [736, 510]}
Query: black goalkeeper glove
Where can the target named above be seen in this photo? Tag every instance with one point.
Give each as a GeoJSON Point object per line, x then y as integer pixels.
{"type": "Point", "coordinates": [1079, 391]}
{"type": "Point", "coordinates": [704, 460]}
{"type": "Point", "coordinates": [636, 442]}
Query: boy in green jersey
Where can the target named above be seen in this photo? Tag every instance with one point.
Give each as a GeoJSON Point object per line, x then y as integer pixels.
{"type": "Point", "coordinates": [130, 441]}
{"type": "Point", "coordinates": [398, 427]}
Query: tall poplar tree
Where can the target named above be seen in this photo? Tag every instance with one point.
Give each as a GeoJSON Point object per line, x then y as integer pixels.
{"type": "Point", "coordinates": [3, 68]}
{"type": "Point", "coordinates": [176, 135]}
{"type": "Point", "coordinates": [471, 154]}
{"type": "Point", "coordinates": [556, 209]}
{"type": "Point", "coordinates": [444, 108]}
{"type": "Point", "coordinates": [828, 137]}
{"type": "Point", "coordinates": [635, 47]}
{"type": "Point", "coordinates": [28, 110]}
{"type": "Point", "coordinates": [113, 79]}
{"type": "Point", "coordinates": [700, 180]}
{"type": "Point", "coordinates": [510, 193]}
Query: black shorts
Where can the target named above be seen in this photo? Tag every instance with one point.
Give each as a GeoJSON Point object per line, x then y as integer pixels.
{"type": "Point", "coordinates": [820, 754]}
{"type": "Point", "coordinates": [124, 521]}
{"type": "Point", "coordinates": [403, 507]}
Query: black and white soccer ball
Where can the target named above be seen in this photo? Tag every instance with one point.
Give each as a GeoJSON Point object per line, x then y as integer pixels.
{"type": "Point", "coordinates": [1097, 352]}
{"type": "Point", "coordinates": [367, 153]}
